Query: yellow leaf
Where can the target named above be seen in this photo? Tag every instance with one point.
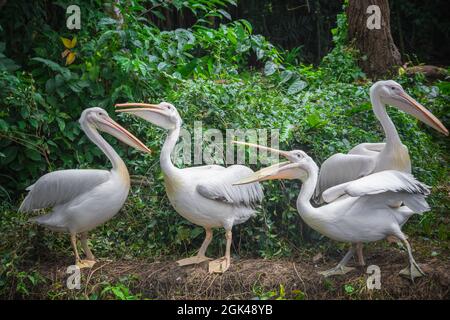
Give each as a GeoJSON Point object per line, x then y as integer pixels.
{"type": "Point", "coordinates": [74, 42]}
{"type": "Point", "coordinates": [70, 58]}
{"type": "Point", "coordinates": [65, 53]}
{"type": "Point", "coordinates": [69, 44]}
{"type": "Point", "coordinates": [66, 42]}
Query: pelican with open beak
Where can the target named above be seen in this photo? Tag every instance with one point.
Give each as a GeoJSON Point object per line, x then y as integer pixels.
{"type": "Point", "coordinates": [357, 211]}
{"type": "Point", "coordinates": [203, 195]}
{"type": "Point", "coordinates": [81, 200]}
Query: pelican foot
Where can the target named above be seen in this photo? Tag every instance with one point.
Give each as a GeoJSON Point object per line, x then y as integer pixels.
{"type": "Point", "coordinates": [85, 263]}
{"type": "Point", "coordinates": [192, 260]}
{"type": "Point", "coordinates": [338, 270]}
{"type": "Point", "coordinates": [219, 266]}
{"type": "Point", "coordinates": [412, 272]}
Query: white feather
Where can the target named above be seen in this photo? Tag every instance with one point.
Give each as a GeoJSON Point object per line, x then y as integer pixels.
{"type": "Point", "coordinates": [60, 187]}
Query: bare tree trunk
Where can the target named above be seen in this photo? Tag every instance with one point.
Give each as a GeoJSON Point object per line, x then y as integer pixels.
{"type": "Point", "coordinates": [378, 50]}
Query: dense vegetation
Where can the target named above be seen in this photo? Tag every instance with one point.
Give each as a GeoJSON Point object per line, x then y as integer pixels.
{"type": "Point", "coordinates": [216, 71]}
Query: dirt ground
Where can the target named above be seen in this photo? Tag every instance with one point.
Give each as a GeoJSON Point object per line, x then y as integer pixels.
{"type": "Point", "coordinates": [250, 278]}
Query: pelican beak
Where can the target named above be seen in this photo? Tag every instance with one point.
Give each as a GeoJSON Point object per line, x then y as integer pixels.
{"type": "Point", "coordinates": [142, 107]}
{"type": "Point", "coordinates": [283, 153]}
{"type": "Point", "coordinates": [418, 111]}
{"type": "Point", "coordinates": [116, 130]}
{"type": "Point", "coordinates": [277, 171]}
{"type": "Point", "coordinates": [150, 112]}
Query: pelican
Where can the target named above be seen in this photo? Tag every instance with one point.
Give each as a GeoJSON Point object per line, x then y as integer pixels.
{"type": "Point", "coordinates": [203, 195]}
{"type": "Point", "coordinates": [81, 200]}
{"type": "Point", "coordinates": [368, 158]}
{"type": "Point", "coordinates": [357, 211]}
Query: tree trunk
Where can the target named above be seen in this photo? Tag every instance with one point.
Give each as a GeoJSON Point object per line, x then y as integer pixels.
{"type": "Point", "coordinates": [379, 54]}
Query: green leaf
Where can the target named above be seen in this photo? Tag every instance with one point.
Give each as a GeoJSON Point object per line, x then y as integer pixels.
{"type": "Point", "coordinates": [3, 125]}
{"type": "Point", "coordinates": [259, 53]}
{"type": "Point", "coordinates": [34, 123]}
{"type": "Point", "coordinates": [187, 69]}
{"type": "Point", "coordinates": [313, 119]}
{"type": "Point", "coordinates": [270, 68]}
{"type": "Point", "coordinates": [196, 232]}
{"type": "Point", "coordinates": [118, 293]}
{"type": "Point", "coordinates": [61, 124]}
{"type": "Point", "coordinates": [247, 25]}
{"type": "Point", "coordinates": [297, 86]}
{"type": "Point", "coordinates": [33, 154]}
{"type": "Point", "coordinates": [225, 14]}
{"type": "Point", "coordinates": [286, 75]}
{"type": "Point", "coordinates": [50, 85]}
{"type": "Point", "coordinates": [53, 66]}
{"type": "Point", "coordinates": [107, 21]}
{"type": "Point", "coordinates": [349, 289]}
{"type": "Point", "coordinates": [162, 66]}
{"type": "Point", "coordinates": [39, 99]}
{"type": "Point", "coordinates": [10, 154]}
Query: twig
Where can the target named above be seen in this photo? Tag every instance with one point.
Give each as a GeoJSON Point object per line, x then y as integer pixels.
{"type": "Point", "coordinates": [211, 284]}
{"type": "Point", "coordinates": [90, 276]}
{"type": "Point", "coordinates": [298, 275]}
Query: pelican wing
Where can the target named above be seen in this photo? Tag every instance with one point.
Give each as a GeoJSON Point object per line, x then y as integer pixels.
{"type": "Point", "coordinates": [219, 187]}
{"type": "Point", "coordinates": [394, 185]}
{"type": "Point", "coordinates": [341, 168]}
{"type": "Point", "coordinates": [368, 149]}
{"type": "Point", "coordinates": [59, 187]}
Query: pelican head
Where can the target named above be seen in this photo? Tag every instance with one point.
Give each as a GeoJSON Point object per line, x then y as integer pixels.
{"type": "Point", "coordinates": [97, 118]}
{"type": "Point", "coordinates": [299, 166]}
{"type": "Point", "coordinates": [393, 94]}
{"type": "Point", "coordinates": [163, 115]}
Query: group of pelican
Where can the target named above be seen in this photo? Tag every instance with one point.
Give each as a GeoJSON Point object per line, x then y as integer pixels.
{"type": "Point", "coordinates": [363, 196]}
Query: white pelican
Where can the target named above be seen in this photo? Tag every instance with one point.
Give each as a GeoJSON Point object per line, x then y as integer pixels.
{"type": "Point", "coordinates": [367, 158]}
{"type": "Point", "coordinates": [203, 195]}
{"type": "Point", "coordinates": [357, 211]}
{"type": "Point", "coordinates": [84, 199]}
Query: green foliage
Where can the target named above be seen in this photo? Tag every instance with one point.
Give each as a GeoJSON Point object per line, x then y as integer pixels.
{"type": "Point", "coordinates": [117, 291]}
{"type": "Point", "coordinates": [279, 294]}
{"type": "Point", "coordinates": [25, 280]}
{"type": "Point", "coordinates": [135, 62]}
{"type": "Point", "coordinates": [349, 289]}
{"type": "Point", "coordinates": [209, 74]}
{"type": "Point", "coordinates": [340, 64]}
